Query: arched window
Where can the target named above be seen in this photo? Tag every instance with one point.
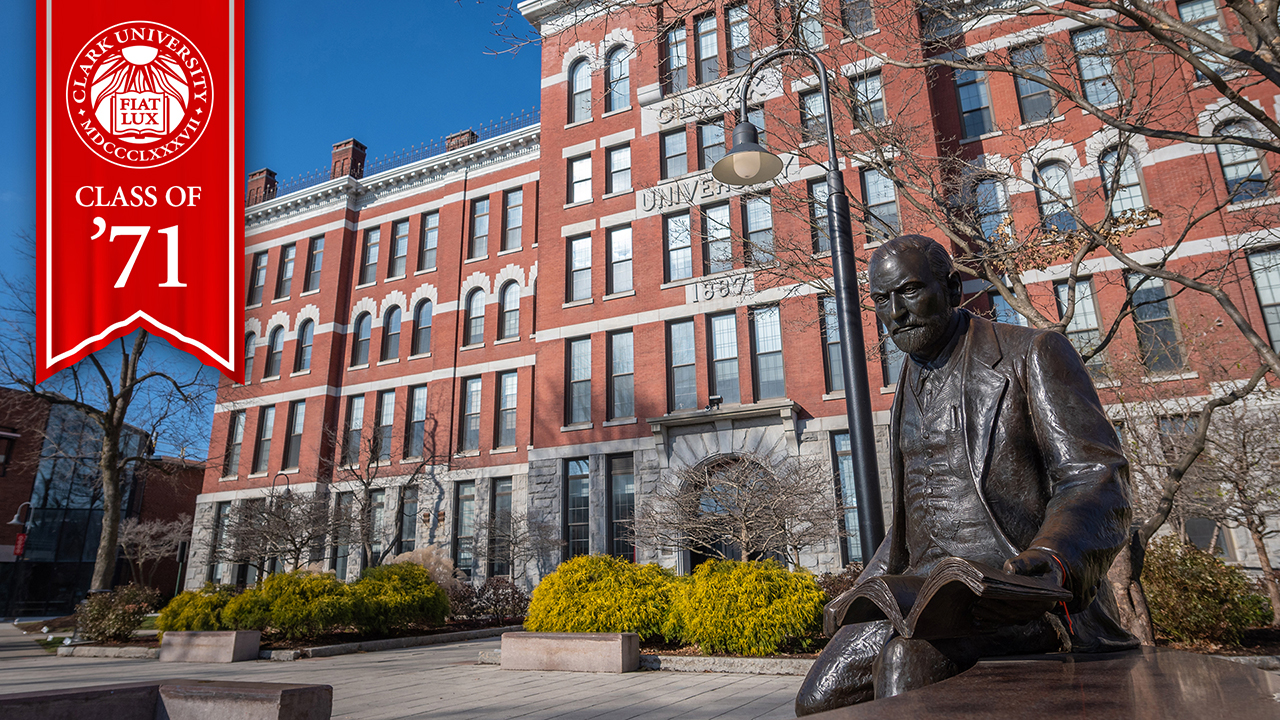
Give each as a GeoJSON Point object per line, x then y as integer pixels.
{"type": "Point", "coordinates": [1120, 180]}
{"type": "Point", "coordinates": [275, 350]}
{"type": "Point", "coordinates": [1053, 196]}
{"type": "Point", "coordinates": [1241, 167]}
{"type": "Point", "coordinates": [509, 322]}
{"type": "Point", "coordinates": [250, 347]}
{"type": "Point", "coordinates": [302, 348]}
{"type": "Point", "coordinates": [421, 328]}
{"type": "Point", "coordinates": [360, 347]}
{"type": "Point", "coordinates": [475, 318]}
{"type": "Point", "coordinates": [617, 79]}
{"type": "Point", "coordinates": [579, 91]}
{"type": "Point", "coordinates": [391, 334]}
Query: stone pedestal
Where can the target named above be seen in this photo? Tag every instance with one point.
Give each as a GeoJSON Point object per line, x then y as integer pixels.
{"type": "Point", "coordinates": [210, 646]}
{"type": "Point", "coordinates": [573, 652]}
{"type": "Point", "coordinates": [175, 700]}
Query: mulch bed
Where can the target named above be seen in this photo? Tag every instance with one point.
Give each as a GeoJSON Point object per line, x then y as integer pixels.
{"type": "Point", "coordinates": [270, 643]}
{"type": "Point", "coordinates": [1254, 641]}
{"type": "Point", "coordinates": [66, 622]}
{"type": "Point", "coordinates": [788, 653]}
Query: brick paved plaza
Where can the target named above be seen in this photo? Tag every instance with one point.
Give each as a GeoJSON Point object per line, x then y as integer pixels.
{"type": "Point", "coordinates": [434, 682]}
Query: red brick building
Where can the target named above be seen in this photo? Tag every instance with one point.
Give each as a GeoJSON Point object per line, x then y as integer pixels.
{"type": "Point", "coordinates": [555, 317]}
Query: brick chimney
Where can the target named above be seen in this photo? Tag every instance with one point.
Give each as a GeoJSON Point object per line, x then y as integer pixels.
{"type": "Point", "coordinates": [262, 186]}
{"type": "Point", "coordinates": [460, 139]}
{"type": "Point", "coordinates": [348, 159]}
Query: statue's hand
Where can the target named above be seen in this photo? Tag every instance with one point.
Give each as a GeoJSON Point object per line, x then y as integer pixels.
{"type": "Point", "coordinates": [1036, 562]}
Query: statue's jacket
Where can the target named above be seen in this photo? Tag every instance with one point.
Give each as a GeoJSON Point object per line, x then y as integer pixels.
{"type": "Point", "coordinates": [1048, 467]}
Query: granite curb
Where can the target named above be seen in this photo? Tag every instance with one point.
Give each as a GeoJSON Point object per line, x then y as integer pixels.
{"type": "Point", "coordinates": [676, 663]}
{"type": "Point", "coordinates": [101, 651]}
{"type": "Point", "coordinates": [1262, 662]}
{"type": "Point", "coordinates": [388, 644]}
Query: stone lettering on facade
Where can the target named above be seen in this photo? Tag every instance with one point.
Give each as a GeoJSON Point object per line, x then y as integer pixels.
{"type": "Point", "coordinates": [698, 190]}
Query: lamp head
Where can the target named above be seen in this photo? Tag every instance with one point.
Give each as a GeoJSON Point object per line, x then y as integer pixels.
{"type": "Point", "coordinates": [748, 163]}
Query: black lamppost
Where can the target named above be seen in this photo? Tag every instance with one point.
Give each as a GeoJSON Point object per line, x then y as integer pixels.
{"type": "Point", "coordinates": [747, 163]}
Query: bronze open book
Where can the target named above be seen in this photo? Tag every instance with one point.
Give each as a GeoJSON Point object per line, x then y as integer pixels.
{"type": "Point", "coordinates": [944, 604]}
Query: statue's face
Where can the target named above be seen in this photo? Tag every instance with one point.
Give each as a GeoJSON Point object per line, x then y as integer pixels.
{"type": "Point", "coordinates": [914, 306]}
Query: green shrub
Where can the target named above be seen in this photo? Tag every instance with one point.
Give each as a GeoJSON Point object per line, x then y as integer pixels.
{"type": "Point", "coordinates": [749, 608]}
{"type": "Point", "coordinates": [392, 597]}
{"type": "Point", "coordinates": [195, 610]}
{"type": "Point", "coordinates": [114, 616]}
{"type": "Point", "coordinates": [501, 598]}
{"type": "Point", "coordinates": [1195, 597]}
{"type": "Point", "coordinates": [599, 593]}
{"type": "Point", "coordinates": [296, 605]}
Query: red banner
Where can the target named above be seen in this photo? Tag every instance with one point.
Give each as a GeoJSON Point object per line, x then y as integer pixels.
{"type": "Point", "coordinates": [20, 545]}
{"type": "Point", "coordinates": [141, 190]}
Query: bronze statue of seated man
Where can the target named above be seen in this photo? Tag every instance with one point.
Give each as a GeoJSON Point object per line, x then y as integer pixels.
{"type": "Point", "coordinates": [1001, 454]}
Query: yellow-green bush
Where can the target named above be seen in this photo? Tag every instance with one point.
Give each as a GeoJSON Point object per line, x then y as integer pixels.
{"type": "Point", "coordinates": [1194, 596]}
{"type": "Point", "coordinates": [391, 597]}
{"type": "Point", "coordinates": [295, 605]}
{"type": "Point", "coordinates": [749, 608]}
{"type": "Point", "coordinates": [195, 610]}
{"type": "Point", "coordinates": [599, 593]}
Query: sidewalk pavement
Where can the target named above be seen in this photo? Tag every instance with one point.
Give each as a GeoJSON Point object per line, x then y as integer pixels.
{"type": "Point", "coordinates": [439, 681]}
{"type": "Point", "coordinates": [14, 645]}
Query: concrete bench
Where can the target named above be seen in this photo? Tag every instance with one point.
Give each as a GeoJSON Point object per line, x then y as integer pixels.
{"type": "Point", "coordinates": [1142, 683]}
{"type": "Point", "coordinates": [572, 652]}
{"type": "Point", "coordinates": [216, 646]}
{"type": "Point", "coordinates": [175, 700]}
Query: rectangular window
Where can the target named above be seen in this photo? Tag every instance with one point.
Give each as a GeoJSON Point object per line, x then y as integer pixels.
{"type": "Point", "coordinates": [579, 268]}
{"type": "Point", "coordinates": [470, 415]}
{"type": "Point", "coordinates": [354, 425]}
{"type": "Point", "coordinates": [1002, 311]}
{"type": "Point", "coordinates": [1265, 268]}
{"type": "Point", "coordinates": [676, 77]}
{"type": "Point", "coordinates": [881, 200]}
{"type": "Point", "coordinates": [770, 382]}
{"type": "Point", "coordinates": [377, 521]}
{"type": "Point", "coordinates": [1082, 331]}
{"type": "Point", "coordinates": [399, 248]}
{"type": "Point", "coordinates": [679, 247]}
{"type": "Point", "coordinates": [674, 154]}
{"type": "Point", "coordinates": [384, 422]}
{"type": "Point", "coordinates": [342, 520]}
{"type": "Point", "coordinates": [408, 519]}
{"type": "Point", "coordinates": [813, 117]}
{"type": "Point", "coordinates": [618, 162]}
{"type": "Point", "coordinates": [235, 438]}
{"type": "Point", "coordinates": [507, 409]}
{"type": "Point", "coordinates": [620, 259]}
{"type": "Point", "coordinates": [758, 223]}
{"type": "Point", "coordinates": [579, 381]}
{"type": "Point", "coordinates": [1034, 100]}
{"type": "Point", "coordinates": [430, 239]}
{"type": "Point", "coordinates": [831, 344]}
{"type": "Point", "coordinates": [810, 12]}
{"type": "Point", "coordinates": [724, 358]}
{"type": "Point", "coordinates": [858, 16]}
{"type": "Point", "coordinates": [975, 102]}
{"type": "Point", "coordinates": [1153, 319]}
{"type": "Point", "coordinates": [479, 229]}
{"type": "Point", "coordinates": [993, 206]}
{"type": "Point", "coordinates": [891, 357]}
{"type": "Point", "coordinates": [500, 528]}
{"type": "Point", "coordinates": [622, 397]}
{"type": "Point", "coordinates": [293, 440]}
{"type": "Point", "coordinates": [579, 179]}
{"type": "Point", "coordinates": [1123, 186]}
{"type": "Point", "coordinates": [708, 48]}
{"type": "Point", "coordinates": [1093, 58]}
{"type": "Point", "coordinates": [464, 530]}
{"type": "Point", "coordinates": [1203, 16]}
{"type": "Point", "coordinates": [315, 260]}
{"type": "Point", "coordinates": [710, 143]}
{"type": "Point", "coordinates": [284, 279]}
{"type": "Point", "coordinates": [262, 448]}
{"type": "Point", "coordinates": [257, 279]}
{"type": "Point", "coordinates": [622, 506]}
{"type": "Point", "coordinates": [415, 432]}
{"type": "Point", "coordinates": [369, 256]}
{"type": "Point", "coordinates": [739, 39]}
{"type": "Point", "coordinates": [755, 116]}
{"type": "Point", "coordinates": [821, 229]}
{"type": "Point", "coordinates": [221, 522]}
{"type": "Point", "coordinates": [868, 98]}
{"type": "Point", "coordinates": [578, 507]}
{"type": "Point", "coordinates": [716, 238]}
{"type": "Point", "coordinates": [852, 546]}
{"type": "Point", "coordinates": [684, 379]}
{"type": "Point", "coordinates": [512, 219]}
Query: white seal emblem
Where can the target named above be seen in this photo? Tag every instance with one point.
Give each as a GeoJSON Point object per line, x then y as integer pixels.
{"type": "Point", "coordinates": [139, 94]}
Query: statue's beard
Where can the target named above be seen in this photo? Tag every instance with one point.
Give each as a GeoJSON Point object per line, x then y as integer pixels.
{"type": "Point", "coordinates": [928, 333]}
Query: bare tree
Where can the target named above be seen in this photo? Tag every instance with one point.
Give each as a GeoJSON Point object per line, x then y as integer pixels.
{"type": "Point", "coordinates": [743, 508]}
{"type": "Point", "coordinates": [145, 543]}
{"type": "Point", "coordinates": [516, 540]}
{"type": "Point", "coordinates": [134, 385]}
{"type": "Point", "coordinates": [282, 530]}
